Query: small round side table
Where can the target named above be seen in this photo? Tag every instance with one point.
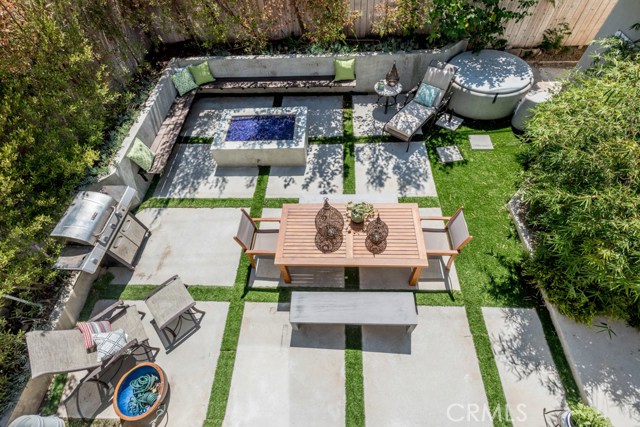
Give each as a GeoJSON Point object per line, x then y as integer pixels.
{"type": "Point", "coordinates": [386, 91]}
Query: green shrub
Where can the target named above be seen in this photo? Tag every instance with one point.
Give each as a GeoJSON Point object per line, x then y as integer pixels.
{"type": "Point", "coordinates": [582, 186]}
{"type": "Point", "coordinates": [12, 361]}
{"type": "Point", "coordinates": [585, 416]}
{"type": "Point", "coordinates": [552, 38]}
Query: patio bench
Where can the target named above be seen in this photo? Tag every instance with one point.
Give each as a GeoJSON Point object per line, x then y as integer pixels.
{"type": "Point", "coordinates": [353, 308]}
{"type": "Point", "coordinates": [169, 131]}
{"type": "Point", "coordinates": [289, 82]}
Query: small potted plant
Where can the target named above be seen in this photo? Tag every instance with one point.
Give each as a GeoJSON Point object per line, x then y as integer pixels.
{"type": "Point", "coordinates": [582, 415]}
{"type": "Point", "coordinates": [360, 211]}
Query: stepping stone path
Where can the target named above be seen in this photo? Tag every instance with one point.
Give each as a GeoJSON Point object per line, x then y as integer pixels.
{"type": "Point", "coordinates": [430, 377]}
{"type": "Point", "coordinates": [449, 154]}
{"type": "Point", "coordinates": [389, 168]}
{"type": "Point", "coordinates": [283, 377]}
{"type": "Point", "coordinates": [192, 173]}
{"type": "Point", "coordinates": [528, 374]}
{"type": "Point", "coordinates": [321, 175]}
{"type": "Point", "coordinates": [324, 114]}
{"type": "Point", "coordinates": [480, 142]}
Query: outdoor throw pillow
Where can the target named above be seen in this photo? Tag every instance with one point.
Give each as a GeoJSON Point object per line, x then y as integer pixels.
{"type": "Point", "coordinates": [201, 73]}
{"type": "Point", "coordinates": [183, 81]}
{"type": "Point", "coordinates": [345, 69]}
{"type": "Point", "coordinates": [427, 95]}
{"type": "Point", "coordinates": [141, 155]}
{"type": "Point", "coordinates": [90, 328]}
{"type": "Point", "coordinates": [109, 343]}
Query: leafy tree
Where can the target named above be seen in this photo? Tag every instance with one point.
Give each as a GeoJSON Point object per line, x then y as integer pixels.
{"type": "Point", "coordinates": [324, 21]}
{"type": "Point", "coordinates": [406, 17]}
{"type": "Point", "coordinates": [582, 186]}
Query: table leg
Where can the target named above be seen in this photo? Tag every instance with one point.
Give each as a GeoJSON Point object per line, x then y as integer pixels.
{"type": "Point", "coordinates": [415, 275]}
{"type": "Point", "coordinates": [386, 104]}
{"type": "Point", "coordinates": [284, 271]}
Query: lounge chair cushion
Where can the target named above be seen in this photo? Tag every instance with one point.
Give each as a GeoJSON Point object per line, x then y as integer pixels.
{"type": "Point", "coordinates": [183, 81]}
{"type": "Point", "coordinates": [141, 155]}
{"type": "Point", "coordinates": [345, 69]}
{"type": "Point", "coordinates": [89, 329]}
{"type": "Point", "coordinates": [409, 120]}
{"type": "Point", "coordinates": [427, 94]}
{"type": "Point", "coordinates": [109, 343]}
{"type": "Point", "coordinates": [201, 73]}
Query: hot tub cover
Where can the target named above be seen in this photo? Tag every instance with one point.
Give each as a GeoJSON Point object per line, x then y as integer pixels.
{"type": "Point", "coordinates": [492, 72]}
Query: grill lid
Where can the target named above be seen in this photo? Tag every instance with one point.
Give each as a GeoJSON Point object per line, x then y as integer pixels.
{"type": "Point", "coordinates": [85, 218]}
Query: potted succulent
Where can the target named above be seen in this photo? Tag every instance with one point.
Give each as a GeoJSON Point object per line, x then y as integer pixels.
{"type": "Point", "coordinates": [360, 211]}
{"type": "Point", "coordinates": [582, 415]}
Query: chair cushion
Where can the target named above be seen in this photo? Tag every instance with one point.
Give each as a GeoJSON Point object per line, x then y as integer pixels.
{"type": "Point", "coordinates": [109, 343]}
{"type": "Point", "coordinates": [427, 95]}
{"type": "Point", "coordinates": [88, 329]}
{"type": "Point", "coordinates": [201, 73]}
{"type": "Point", "coordinates": [409, 120]}
{"type": "Point", "coordinates": [345, 69]}
{"type": "Point", "coordinates": [183, 81]}
{"type": "Point", "coordinates": [141, 155]}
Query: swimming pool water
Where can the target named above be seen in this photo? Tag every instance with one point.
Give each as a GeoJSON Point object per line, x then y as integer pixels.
{"type": "Point", "coordinates": [261, 128]}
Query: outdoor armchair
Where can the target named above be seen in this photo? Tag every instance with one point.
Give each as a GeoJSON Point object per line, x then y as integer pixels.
{"type": "Point", "coordinates": [254, 241]}
{"type": "Point", "coordinates": [414, 115]}
{"type": "Point", "coordinates": [62, 351]}
{"type": "Point", "coordinates": [447, 241]}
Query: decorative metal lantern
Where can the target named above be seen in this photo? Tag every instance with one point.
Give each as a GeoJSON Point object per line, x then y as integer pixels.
{"type": "Point", "coordinates": [392, 76]}
{"type": "Point", "coordinates": [329, 225]}
{"type": "Point", "coordinates": [377, 232]}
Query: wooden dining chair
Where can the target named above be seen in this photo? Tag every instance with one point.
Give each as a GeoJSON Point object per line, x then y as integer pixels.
{"type": "Point", "coordinates": [253, 240]}
{"type": "Point", "coordinates": [448, 241]}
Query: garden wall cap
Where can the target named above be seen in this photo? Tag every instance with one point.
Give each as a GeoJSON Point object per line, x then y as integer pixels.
{"type": "Point", "coordinates": [37, 421]}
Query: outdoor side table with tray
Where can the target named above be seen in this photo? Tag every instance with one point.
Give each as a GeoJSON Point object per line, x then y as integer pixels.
{"type": "Point", "coordinates": [387, 91]}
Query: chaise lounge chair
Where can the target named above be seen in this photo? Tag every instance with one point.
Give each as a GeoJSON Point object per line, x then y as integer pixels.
{"type": "Point", "coordinates": [62, 351]}
{"type": "Point", "coordinates": [420, 110]}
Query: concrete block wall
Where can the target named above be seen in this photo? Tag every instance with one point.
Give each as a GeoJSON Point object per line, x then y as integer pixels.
{"type": "Point", "coordinates": [370, 67]}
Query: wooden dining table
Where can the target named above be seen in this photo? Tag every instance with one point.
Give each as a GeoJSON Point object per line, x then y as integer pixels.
{"type": "Point", "coordinates": [405, 243]}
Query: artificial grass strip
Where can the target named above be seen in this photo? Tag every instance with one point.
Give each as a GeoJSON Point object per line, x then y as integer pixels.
{"type": "Point", "coordinates": [165, 202]}
{"type": "Point", "coordinates": [354, 378]}
{"type": "Point", "coordinates": [195, 140]}
{"type": "Point", "coordinates": [277, 203]}
{"type": "Point", "coordinates": [211, 293]}
{"type": "Point", "coordinates": [260, 192]}
{"type": "Point", "coordinates": [54, 395]}
{"type": "Point", "coordinates": [423, 202]}
{"type": "Point", "coordinates": [348, 149]}
{"type": "Point", "coordinates": [220, 389]}
{"type": "Point", "coordinates": [440, 299]}
{"type": "Point", "coordinates": [325, 140]}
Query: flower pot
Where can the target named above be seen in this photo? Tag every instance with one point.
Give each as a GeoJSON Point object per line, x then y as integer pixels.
{"type": "Point", "coordinates": [357, 218]}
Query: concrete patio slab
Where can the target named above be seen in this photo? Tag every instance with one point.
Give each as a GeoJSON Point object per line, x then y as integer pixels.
{"type": "Point", "coordinates": [449, 154]}
{"type": "Point", "coordinates": [205, 114]}
{"type": "Point", "coordinates": [605, 367]}
{"type": "Point", "coordinates": [321, 175]}
{"type": "Point", "coordinates": [285, 378]}
{"type": "Point", "coordinates": [389, 168]}
{"type": "Point", "coordinates": [430, 377]}
{"type": "Point", "coordinates": [197, 244]}
{"type": "Point", "coordinates": [346, 198]}
{"type": "Point", "coordinates": [528, 374]}
{"type": "Point", "coordinates": [190, 368]}
{"type": "Point", "coordinates": [192, 173]}
{"type": "Point", "coordinates": [480, 142]}
{"type": "Point", "coordinates": [324, 114]}
{"type": "Point", "coordinates": [369, 117]}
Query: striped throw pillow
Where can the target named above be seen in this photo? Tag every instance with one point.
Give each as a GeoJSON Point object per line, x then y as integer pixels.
{"type": "Point", "coordinates": [88, 329]}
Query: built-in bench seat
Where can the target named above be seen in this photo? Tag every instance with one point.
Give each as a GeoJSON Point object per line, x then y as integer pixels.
{"type": "Point", "coordinates": [169, 131]}
{"type": "Point", "coordinates": [305, 82]}
{"type": "Point", "coordinates": [353, 308]}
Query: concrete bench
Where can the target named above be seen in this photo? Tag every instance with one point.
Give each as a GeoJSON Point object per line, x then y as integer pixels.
{"type": "Point", "coordinates": [291, 82]}
{"type": "Point", "coordinates": [353, 308]}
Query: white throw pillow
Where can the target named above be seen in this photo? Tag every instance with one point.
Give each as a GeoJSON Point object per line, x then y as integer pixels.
{"type": "Point", "coordinates": [109, 343]}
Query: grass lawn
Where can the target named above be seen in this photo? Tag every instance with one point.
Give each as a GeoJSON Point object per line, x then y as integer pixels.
{"type": "Point", "coordinates": [488, 268]}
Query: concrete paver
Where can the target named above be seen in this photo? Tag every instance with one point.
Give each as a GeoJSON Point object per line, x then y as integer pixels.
{"type": "Point", "coordinates": [189, 368]}
{"type": "Point", "coordinates": [195, 243]}
{"type": "Point", "coordinates": [606, 366]}
{"type": "Point", "coordinates": [324, 114]}
{"type": "Point", "coordinates": [480, 142]}
{"type": "Point", "coordinates": [192, 173]}
{"type": "Point", "coordinates": [428, 378]}
{"type": "Point", "coordinates": [285, 378]}
{"type": "Point", "coordinates": [205, 114]}
{"type": "Point", "coordinates": [389, 168]}
{"type": "Point", "coordinates": [321, 175]}
{"type": "Point", "coordinates": [369, 117]}
{"type": "Point", "coordinates": [449, 154]}
{"type": "Point", "coordinates": [528, 374]}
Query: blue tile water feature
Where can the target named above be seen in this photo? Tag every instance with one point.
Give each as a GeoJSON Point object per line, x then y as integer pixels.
{"type": "Point", "coordinates": [261, 128]}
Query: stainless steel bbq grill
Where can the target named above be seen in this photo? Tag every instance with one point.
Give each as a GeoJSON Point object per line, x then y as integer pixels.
{"type": "Point", "coordinates": [98, 226]}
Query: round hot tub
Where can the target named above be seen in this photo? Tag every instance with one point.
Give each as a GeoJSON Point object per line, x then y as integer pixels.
{"type": "Point", "coordinates": [489, 84]}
